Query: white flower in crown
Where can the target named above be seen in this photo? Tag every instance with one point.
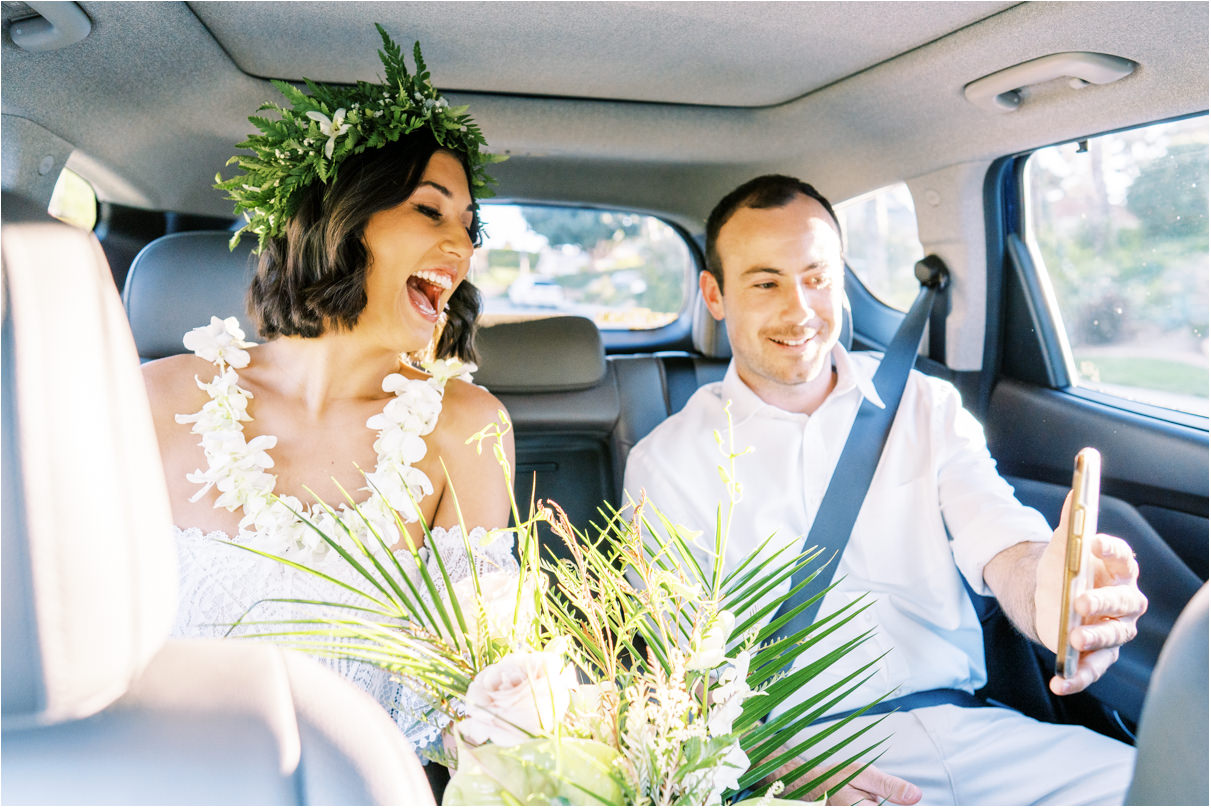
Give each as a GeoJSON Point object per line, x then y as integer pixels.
{"type": "Point", "coordinates": [221, 341]}
{"type": "Point", "coordinates": [332, 127]}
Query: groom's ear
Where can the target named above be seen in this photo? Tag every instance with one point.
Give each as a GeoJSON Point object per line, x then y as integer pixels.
{"type": "Point", "coordinates": [711, 294]}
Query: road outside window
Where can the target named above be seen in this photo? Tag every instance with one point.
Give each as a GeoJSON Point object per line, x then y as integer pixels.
{"type": "Point", "coordinates": [881, 243]}
{"type": "Point", "coordinates": [1120, 224]}
{"type": "Point", "coordinates": [622, 270]}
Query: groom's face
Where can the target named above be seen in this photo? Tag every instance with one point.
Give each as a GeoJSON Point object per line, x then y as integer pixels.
{"type": "Point", "coordinates": [783, 291]}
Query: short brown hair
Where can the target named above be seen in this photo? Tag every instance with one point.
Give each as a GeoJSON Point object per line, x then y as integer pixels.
{"type": "Point", "coordinates": [766, 191]}
{"type": "Point", "coordinates": [313, 276]}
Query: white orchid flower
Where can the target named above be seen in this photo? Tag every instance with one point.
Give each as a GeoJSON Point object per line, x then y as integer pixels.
{"type": "Point", "coordinates": [333, 128]}
{"type": "Point", "coordinates": [221, 341]}
{"type": "Point", "coordinates": [707, 652]}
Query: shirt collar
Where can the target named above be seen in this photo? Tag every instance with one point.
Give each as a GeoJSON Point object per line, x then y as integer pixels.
{"type": "Point", "coordinates": [746, 403]}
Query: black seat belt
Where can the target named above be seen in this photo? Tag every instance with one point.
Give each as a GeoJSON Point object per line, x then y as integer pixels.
{"type": "Point", "coordinates": [855, 467]}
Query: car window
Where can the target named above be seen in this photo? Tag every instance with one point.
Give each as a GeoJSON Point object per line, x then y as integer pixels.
{"type": "Point", "coordinates": [1120, 224]}
{"type": "Point", "coordinates": [73, 201]}
{"type": "Point", "coordinates": [881, 243]}
{"type": "Point", "coordinates": [623, 270]}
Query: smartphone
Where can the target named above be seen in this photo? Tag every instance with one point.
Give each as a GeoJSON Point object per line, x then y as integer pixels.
{"type": "Point", "coordinates": [1082, 527]}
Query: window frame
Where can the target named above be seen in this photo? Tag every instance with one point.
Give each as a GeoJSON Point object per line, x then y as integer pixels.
{"type": "Point", "coordinates": [865, 282]}
{"type": "Point", "coordinates": [1020, 261]}
{"type": "Point", "coordinates": [676, 334]}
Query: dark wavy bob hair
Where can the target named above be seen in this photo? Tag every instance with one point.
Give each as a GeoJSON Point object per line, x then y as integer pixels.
{"type": "Point", "coordinates": [313, 277]}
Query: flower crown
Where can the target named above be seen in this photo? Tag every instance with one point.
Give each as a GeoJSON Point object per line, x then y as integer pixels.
{"type": "Point", "coordinates": [333, 123]}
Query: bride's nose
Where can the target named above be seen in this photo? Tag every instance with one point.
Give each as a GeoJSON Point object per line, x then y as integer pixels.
{"type": "Point", "coordinates": [456, 241]}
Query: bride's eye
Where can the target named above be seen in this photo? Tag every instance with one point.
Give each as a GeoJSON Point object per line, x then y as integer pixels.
{"type": "Point", "coordinates": [431, 212]}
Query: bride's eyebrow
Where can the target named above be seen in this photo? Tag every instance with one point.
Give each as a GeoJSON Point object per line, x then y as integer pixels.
{"type": "Point", "coordinates": [441, 189]}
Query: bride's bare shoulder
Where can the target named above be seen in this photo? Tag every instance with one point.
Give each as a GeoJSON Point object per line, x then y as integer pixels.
{"type": "Point", "coordinates": [467, 409]}
{"type": "Point", "coordinates": [470, 404]}
{"type": "Point", "coordinates": [171, 383]}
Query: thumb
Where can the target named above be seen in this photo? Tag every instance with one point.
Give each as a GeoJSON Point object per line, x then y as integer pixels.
{"type": "Point", "coordinates": [889, 787]}
{"type": "Point", "coordinates": [1065, 512]}
{"type": "Point", "coordinates": [903, 792]}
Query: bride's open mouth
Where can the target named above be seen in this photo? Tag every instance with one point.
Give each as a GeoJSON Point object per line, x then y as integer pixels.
{"type": "Point", "coordinates": [425, 289]}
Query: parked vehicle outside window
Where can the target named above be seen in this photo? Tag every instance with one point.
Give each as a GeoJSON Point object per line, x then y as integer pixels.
{"type": "Point", "coordinates": [1120, 224]}
{"type": "Point", "coordinates": [881, 243]}
{"type": "Point", "coordinates": [622, 270]}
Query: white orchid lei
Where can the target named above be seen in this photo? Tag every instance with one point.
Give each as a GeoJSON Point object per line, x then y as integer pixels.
{"type": "Point", "coordinates": [238, 467]}
{"type": "Point", "coordinates": [318, 131]}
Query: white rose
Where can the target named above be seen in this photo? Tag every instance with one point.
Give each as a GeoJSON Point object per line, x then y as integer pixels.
{"type": "Point", "coordinates": [523, 695]}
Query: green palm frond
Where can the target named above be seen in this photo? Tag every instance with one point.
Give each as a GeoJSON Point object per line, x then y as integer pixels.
{"type": "Point", "coordinates": [633, 597]}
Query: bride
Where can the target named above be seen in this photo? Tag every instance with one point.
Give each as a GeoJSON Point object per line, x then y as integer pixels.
{"type": "Point", "coordinates": [363, 200]}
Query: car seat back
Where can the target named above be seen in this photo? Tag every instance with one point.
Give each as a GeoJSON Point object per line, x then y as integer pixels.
{"type": "Point", "coordinates": [1172, 752]}
{"type": "Point", "coordinates": [180, 281]}
{"type": "Point", "coordinates": [99, 707]}
{"type": "Point", "coordinates": [563, 399]}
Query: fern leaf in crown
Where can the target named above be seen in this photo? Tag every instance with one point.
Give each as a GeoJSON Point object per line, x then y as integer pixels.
{"type": "Point", "coordinates": [317, 130]}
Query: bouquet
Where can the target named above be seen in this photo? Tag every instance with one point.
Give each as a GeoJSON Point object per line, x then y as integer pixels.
{"type": "Point", "coordinates": [622, 674]}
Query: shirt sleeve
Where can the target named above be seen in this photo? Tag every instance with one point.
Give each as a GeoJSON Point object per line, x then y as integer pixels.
{"type": "Point", "coordinates": [982, 515]}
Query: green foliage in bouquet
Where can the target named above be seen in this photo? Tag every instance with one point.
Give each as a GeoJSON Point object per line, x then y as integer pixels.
{"type": "Point", "coordinates": [619, 675]}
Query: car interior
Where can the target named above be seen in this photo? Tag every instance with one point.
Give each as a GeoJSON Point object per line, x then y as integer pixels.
{"type": "Point", "coordinates": [964, 123]}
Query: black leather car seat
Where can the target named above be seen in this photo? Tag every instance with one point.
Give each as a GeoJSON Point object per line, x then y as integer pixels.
{"type": "Point", "coordinates": [179, 281]}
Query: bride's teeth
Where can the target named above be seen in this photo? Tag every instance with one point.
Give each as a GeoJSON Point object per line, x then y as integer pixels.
{"type": "Point", "coordinates": [435, 278]}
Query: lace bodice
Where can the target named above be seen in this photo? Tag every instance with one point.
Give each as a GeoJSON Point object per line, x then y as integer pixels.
{"type": "Point", "coordinates": [221, 582]}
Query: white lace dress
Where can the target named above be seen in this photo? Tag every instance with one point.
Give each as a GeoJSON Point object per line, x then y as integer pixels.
{"type": "Point", "coordinates": [222, 583]}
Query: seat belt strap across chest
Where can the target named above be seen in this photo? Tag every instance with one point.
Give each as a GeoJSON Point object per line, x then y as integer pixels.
{"type": "Point", "coordinates": [847, 488]}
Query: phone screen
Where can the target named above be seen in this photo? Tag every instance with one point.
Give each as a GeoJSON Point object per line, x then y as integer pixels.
{"type": "Point", "coordinates": [1082, 527]}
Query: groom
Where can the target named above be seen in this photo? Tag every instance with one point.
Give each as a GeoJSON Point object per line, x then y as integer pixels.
{"type": "Point", "coordinates": [937, 513]}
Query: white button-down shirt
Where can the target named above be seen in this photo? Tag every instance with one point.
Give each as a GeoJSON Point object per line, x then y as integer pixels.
{"type": "Point", "coordinates": [935, 466]}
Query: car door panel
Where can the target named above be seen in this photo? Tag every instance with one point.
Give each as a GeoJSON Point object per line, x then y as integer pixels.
{"type": "Point", "coordinates": [1154, 481]}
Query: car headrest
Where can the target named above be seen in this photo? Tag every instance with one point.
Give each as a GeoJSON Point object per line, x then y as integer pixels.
{"type": "Point", "coordinates": [550, 355]}
{"type": "Point", "coordinates": [89, 565]}
{"type": "Point", "coordinates": [710, 335]}
{"type": "Point", "coordinates": [178, 281]}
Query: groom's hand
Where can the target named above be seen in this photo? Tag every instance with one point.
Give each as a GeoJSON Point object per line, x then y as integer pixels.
{"type": "Point", "coordinates": [871, 786]}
